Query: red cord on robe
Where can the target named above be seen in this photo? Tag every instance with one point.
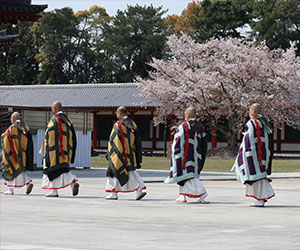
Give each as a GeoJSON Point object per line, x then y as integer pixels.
{"type": "Point", "coordinates": [122, 140]}
{"type": "Point", "coordinates": [259, 143]}
{"type": "Point", "coordinates": [60, 137]}
{"type": "Point", "coordinates": [186, 144]}
{"type": "Point", "coordinates": [11, 143]}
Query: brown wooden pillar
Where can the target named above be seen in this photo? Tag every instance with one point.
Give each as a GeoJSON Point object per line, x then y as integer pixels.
{"type": "Point", "coordinates": [153, 137]}
{"type": "Point", "coordinates": [278, 144]}
{"type": "Point", "coordinates": [95, 130]}
{"type": "Point", "coordinates": [213, 136]}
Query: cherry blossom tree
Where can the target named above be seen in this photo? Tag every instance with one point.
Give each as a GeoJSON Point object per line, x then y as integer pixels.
{"type": "Point", "coordinates": [222, 78]}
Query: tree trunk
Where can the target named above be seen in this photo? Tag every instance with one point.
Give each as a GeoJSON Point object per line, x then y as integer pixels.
{"type": "Point", "coordinates": [232, 132]}
{"type": "Point", "coordinates": [232, 139]}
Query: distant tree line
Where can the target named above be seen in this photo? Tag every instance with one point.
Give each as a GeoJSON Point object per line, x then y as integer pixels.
{"type": "Point", "coordinates": [92, 47]}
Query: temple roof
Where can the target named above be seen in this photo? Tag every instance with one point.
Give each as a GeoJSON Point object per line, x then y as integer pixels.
{"type": "Point", "coordinates": [12, 11]}
{"type": "Point", "coordinates": [84, 96]}
{"type": "Point", "coordinates": [6, 39]}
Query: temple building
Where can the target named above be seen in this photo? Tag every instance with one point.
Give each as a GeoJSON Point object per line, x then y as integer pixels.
{"type": "Point", "coordinates": [6, 39]}
{"type": "Point", "coordinates": [92, 108]}
{"type": "Point", "coordinates": [12, 11]}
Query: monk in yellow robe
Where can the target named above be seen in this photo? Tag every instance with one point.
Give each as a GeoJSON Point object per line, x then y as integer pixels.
{"type": "Point", "coordinates": [17, 154]}
{"type": "Point", "coordinates": [59, 152]}
{"type": "Point", "coordinates": [124, 157]}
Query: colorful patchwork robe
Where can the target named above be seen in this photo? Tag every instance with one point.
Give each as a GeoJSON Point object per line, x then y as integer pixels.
{"type": "Point", "coordinates": [60, 146]}
{"type": "Point", "coordinates": [188, 152]}
{"type": "Point", "coordinates": [17, 150]}
{"type": "Point", "coordinates": [254, 158]}
{"type": "Point", "coordinates": [124, 150]}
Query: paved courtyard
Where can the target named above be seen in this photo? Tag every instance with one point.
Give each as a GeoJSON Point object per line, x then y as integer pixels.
{"type": "Point", "coordinates": [88, 221]}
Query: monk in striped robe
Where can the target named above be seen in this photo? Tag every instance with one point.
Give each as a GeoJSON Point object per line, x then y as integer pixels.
{"type": "Point", "coordinates": [17, 153]}
{"type": "Point", "coordinates": [124, 156]}
{"type": "Point", "coordinates": [59, 150]}
{"type": "Point", "coordinates": [188, 156]}
{"type": "Point", "coordinates": [254, 160]}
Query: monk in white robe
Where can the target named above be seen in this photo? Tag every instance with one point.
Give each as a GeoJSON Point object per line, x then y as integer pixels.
{"type": "Point", "coordinates": [188, 156]}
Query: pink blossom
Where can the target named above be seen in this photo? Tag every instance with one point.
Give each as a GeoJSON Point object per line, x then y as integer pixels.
{"type": "Point", "coordinates": [222, 78]}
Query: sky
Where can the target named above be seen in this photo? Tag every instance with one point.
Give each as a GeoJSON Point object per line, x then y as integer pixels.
{"type": "Point", "coordinates": [111, 6]}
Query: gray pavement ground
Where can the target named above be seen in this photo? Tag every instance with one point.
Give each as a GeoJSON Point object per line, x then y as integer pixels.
{"type": "Point", "coordinates": [88, 221]}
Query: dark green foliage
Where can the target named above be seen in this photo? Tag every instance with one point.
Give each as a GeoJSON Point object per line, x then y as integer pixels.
{"type": "Point", "coordinates": [211, 19]}
{"type": "Point", "coordinates": [60, 42]}
{"type": "Point", "coordinates": [17, 63]}
{"type": "Point", "coordinates": [91, 47]}
{"type": "Point", "coordinates": [129, 41]}
{"type": "Point", "coordinates": [278, 23]}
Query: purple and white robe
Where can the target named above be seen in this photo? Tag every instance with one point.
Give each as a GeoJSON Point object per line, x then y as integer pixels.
{"type": "Point", "coordinates": [246, 165]}
{"type": "Point", "coordinates": [195, 154]}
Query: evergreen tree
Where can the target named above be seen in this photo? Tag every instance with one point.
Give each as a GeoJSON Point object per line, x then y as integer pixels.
{"type": "Point", "coordinates": [17, 63]}
{"type": "Point", "coordinates": [278, 23]}
{"type": "Point", "coordinates": [130, 40]}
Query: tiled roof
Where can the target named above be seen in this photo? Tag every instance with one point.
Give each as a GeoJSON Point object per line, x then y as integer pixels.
{"type": "Point", "coordinates": [28, 9]}
{"type": "Point", "coordinates": [4, 37]}
{"type": "Point", "coordinates": [20, 6]}
{"type": "Point", "coordinates": [12, 11]}
{"type": "Point", "coordinates": [73, 96]}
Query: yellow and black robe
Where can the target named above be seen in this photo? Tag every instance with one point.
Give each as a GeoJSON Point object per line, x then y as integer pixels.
{"type": "Point", "coordinates": [17, 150]}
{"type": "Point", "coordinates": [124, 150]}
{"type": "Point", "coordinates": [60, 146]}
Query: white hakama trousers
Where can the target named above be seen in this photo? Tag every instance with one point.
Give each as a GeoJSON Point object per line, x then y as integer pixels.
{"type": "Point", "coordinates": [64, 180]}
{"type": "Point", "coordinates": [134, 183]}
{"type": "Point", "coordinates": [20, 181]}
{"type": "Point", "coordinates": [260, 190]}
{"type": "Point", "coordinates": [193, 188]}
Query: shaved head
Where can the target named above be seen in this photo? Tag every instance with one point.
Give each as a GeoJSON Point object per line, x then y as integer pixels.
{"type": "Point", "coordinates": [255, 109]}
{"type": "Point", "coordinates": [190, 112]}
{"type": "Point", "coordinates": [15, 116]}
{"type": "Point", "coordinates": [56, 107]}
{"type": "Point", "coordinates": [121, 111]}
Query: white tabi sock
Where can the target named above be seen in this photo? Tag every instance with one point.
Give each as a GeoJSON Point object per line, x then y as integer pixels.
{"type": "Point", "coordinates": [202, 197]}
{"type": "Point", "coordinates": [53, 192]}
{"type": "Point", "coordinates": [259, 203]}
{"type": "Point", "coordinates": [138, 192]}
{"type": "Point", "coordinates": [112, 196]}
{"type": "Point", "coordinates": [181, 198]}
{"type": "Point", "coordinates": [10, 191]}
